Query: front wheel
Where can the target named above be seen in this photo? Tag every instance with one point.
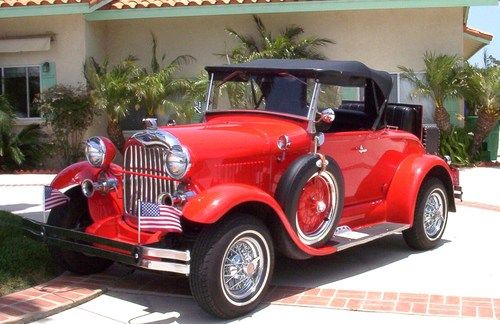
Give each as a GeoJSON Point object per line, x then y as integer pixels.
{"type": "Point", "coordinates": [74, 215]}
{"type": "Point", "coordinates": [232, 264]}
{"type": "Point", "coordinates": [431, 215]}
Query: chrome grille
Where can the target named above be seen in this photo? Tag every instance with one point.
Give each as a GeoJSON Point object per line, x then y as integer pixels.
{"type": "Point", "coordinates": [148, 160]}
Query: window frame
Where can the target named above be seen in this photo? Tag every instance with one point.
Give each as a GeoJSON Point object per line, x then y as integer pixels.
{"type": "Point", "coordinates": [29, 104]}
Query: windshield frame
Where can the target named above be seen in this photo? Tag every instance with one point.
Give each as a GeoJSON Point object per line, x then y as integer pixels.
{"type": "Point", "coordinates": [311, 114]}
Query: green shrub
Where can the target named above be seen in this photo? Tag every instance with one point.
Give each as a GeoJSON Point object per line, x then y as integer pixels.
{"type": "Point", "coordinates": [456, 145]}
{"type": "Point", "coordinates": [69, 111]}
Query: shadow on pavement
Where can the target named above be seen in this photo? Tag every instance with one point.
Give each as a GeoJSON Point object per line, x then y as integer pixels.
{"type": "Point", "coordinates": [16, 207]}
{"type": "Point", "coordinates": [319, 271]}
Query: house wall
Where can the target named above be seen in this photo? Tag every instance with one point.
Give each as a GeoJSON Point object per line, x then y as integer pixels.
{"type": "Point", "coordinates": [383, 39]}
{"type": "Point", "coordinates": [95, 46]}
{"type": "Point", "coordinates": [67, 50]}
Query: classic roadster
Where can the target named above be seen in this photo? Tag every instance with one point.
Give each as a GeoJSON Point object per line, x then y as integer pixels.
{"type": "Point", "coordinates": [279, 164]}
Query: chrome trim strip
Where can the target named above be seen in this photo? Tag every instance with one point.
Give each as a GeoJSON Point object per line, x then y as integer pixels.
{"type": "Point", "coordinates": [165, 266]}
{"type": "Point", "coordinates": [167, 254]}
{"type": "Point", "coordinates": [158, 137]}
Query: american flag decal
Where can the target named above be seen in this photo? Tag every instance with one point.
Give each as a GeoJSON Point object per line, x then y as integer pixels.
{"type": "Point", "coordinates": [53, 198]}
{"type": "Point", "coordinates": [159, 217]}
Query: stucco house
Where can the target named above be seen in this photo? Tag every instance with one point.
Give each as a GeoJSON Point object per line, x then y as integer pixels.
{"type": "Point", "coordinates": [44, 42]}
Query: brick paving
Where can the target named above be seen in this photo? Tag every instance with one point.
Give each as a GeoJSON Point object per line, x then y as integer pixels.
{"type": "Point", "coordinates": [47, 299]}
{"type": "Point", "coordinates": [70, 290]}
{"type": "Point", "coordinates": [393, 302]}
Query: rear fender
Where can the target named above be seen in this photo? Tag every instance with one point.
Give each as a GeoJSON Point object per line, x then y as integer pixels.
{"type": "Point", "coordinates": [213, 204]}
{"type": "Point", "coordinates": [411, 173]}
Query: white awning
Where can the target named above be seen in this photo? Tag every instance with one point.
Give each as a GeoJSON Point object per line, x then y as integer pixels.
{"type": "Point", "coordinates": [25, 44]}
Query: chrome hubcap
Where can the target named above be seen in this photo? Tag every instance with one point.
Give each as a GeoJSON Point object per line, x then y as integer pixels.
{"type": "Point", "coordinates": [243, 268]}
{"type": "Point", "coordinates": [434, 214]}
{"type": "Point", "coordinates": [321, 207]}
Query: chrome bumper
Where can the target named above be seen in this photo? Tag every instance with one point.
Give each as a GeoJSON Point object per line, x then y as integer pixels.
{"type": "Point", "coordinates": [136, 255]}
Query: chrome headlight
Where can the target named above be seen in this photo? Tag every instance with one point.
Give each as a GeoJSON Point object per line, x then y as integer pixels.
{"type": "Point", "coordinates": [177, 162]}
{"type": "Point", "coordinates": [95, 151]}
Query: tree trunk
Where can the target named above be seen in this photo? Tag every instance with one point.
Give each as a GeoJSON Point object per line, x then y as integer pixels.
{"type": "Point", "coordinates": [442, 118]}
{"type": "Point", "coordinates": [485, 123]}
{"type": "Point", "coordinates": [115, 134]}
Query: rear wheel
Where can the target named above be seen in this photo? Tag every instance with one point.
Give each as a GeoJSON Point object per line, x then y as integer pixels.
{"type": "Point", "coordinates": [74, 215]}
{"type": "Point", "coordinates": [431, 215]}
{"type": "Point", "coordinates": [232, 265]}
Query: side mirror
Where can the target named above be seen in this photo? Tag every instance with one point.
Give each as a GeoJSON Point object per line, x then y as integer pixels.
{"type": "Point", "coordinates": [327, 116]}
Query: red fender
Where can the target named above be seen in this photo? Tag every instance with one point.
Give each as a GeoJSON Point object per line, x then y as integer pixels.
{"type": "Point", "coordinates": [212, 204]}
{"type": "Point", "coordinates": [405, 185]}
{"type": "Point", "coordinates": [74, 175]}
{"type": "Point", "coordinates": [100, 207]}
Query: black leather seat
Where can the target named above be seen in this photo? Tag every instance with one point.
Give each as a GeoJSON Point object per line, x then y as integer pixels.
{"type": "Point", "coordinates": [402, 117]}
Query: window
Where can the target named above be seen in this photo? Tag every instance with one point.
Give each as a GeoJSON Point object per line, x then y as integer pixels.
{"type": "Point", "coordinates": [21, 85]}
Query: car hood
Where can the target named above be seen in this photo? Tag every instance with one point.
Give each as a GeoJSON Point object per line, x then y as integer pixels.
{"type": "Point", "coordinates": [238, 136]}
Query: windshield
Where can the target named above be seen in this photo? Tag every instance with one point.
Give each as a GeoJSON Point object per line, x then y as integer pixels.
{"type": "Point", "coordinates": [283, 93]}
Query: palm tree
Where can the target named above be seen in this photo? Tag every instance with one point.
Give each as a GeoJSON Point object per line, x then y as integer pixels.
{"type": "Point", "coordinates": [443, 79]}
{"type": "Point", "coordinates": [22, 150]}
{"type": "Point", "coordinates": [113, 90]}
{"type": "Point", "coordinates": [286, 45]}
{"type": "Point", "coordinates": [482, 93]}
{"type": "Point", "coordinates": [158, 90]}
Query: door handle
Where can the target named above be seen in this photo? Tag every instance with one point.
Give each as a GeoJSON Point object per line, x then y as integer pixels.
{"type": "Point", "coordinates": [361, 149]}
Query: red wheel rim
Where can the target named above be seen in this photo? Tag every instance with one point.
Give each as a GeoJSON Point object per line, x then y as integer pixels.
{"type": "Point", "coordinates": [315, 204]}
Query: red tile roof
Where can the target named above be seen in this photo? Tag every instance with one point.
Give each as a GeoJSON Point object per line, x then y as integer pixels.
{"type": "Point", "coordinates": [130, 4]}
{"type": "Point", "coordinates": [478, 33]}
{"type": "Point", "coordinates": [21, 3]}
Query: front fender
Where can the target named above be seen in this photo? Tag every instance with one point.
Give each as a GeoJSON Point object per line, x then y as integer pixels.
{"type": "Point", "coordinates": [405, 185]}
{"type": "Point", "coordinates": [211, 205]}
{"type": "Point", "coordinates": [74, 175]}
{"type": "Point", "coordinates": [100, 206]}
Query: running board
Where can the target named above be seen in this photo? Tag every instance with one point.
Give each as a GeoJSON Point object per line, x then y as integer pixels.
{"type": "Point", "coordinates": [345, 238]}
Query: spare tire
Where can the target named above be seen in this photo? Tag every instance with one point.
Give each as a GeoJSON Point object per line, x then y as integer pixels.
{"type": "Point", "coordinates": [312, 199]}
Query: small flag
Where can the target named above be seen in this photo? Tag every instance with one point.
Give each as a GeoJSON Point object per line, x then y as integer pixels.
{"type": "Point", "coordinates": [159, 217]}
{"type": "Point", "coordinates": [53, 198]}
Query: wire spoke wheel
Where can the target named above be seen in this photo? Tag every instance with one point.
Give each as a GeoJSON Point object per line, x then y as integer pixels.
{"type": "Point", "coordinates": [242, 268]}
{"type": "Point", "coordinates": [434, 214]}
{"type": "Point", "coordinates": [316, 206]}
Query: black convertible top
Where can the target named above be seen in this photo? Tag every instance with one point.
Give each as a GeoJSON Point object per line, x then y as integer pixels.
{"type": "Point", "coordinates": [344, 73]}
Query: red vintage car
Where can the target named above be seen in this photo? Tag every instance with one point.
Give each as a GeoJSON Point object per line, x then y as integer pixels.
{"type": "Point", "coordinates": [279, 164]}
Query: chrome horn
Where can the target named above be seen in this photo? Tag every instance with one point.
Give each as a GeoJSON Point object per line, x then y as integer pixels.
{"type": "Point", "coordinates": [103, 186]}
{"type": "Point", "coordinates": [87, 188]}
